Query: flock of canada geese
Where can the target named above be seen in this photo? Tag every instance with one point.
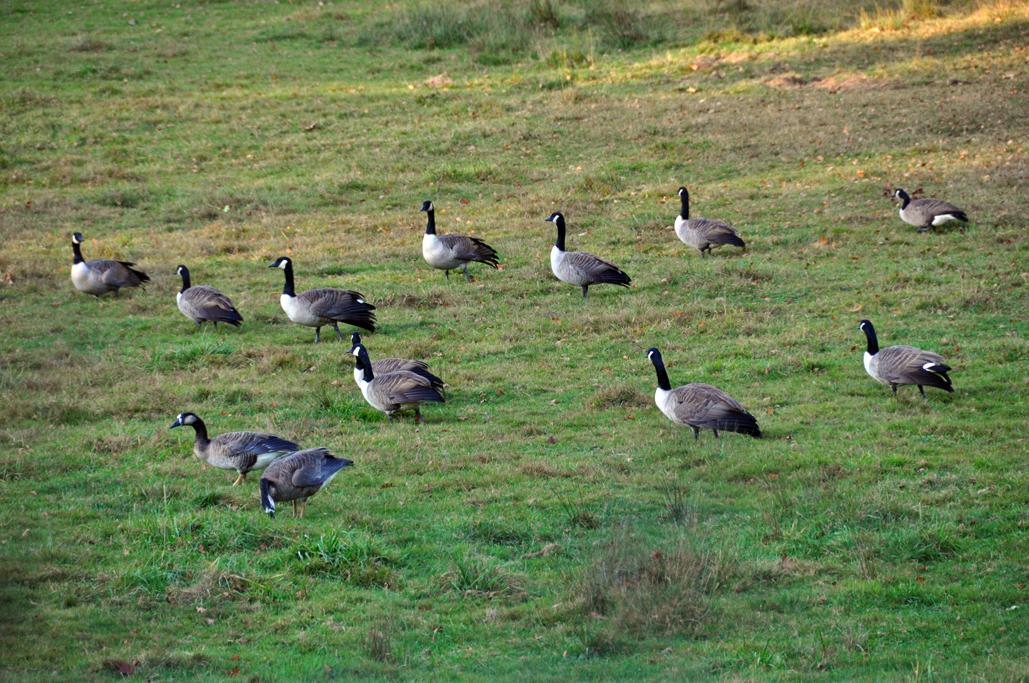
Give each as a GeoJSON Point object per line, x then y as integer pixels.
{"type": "Point", "coordinates": [389, 385]}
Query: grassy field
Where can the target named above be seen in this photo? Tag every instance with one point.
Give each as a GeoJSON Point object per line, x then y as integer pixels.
{"type": "Point", "coordinates": [547, 522]}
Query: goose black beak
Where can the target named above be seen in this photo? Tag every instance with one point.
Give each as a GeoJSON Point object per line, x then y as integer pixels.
{"type": "Point", "coordinates": [272, 265]}
{"type": "Point", "coordinates": [175, 424]}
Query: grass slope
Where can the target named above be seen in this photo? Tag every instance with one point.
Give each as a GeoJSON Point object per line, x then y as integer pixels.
{"type": "Point", "coordinates": [547, 523]}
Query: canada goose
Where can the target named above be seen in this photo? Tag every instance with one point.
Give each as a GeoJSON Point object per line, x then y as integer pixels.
{"type": "Point", "coordinates": [927, 213]}
{"type": "Point", "coordinates": [896, 365]}
{"type": "Point", "coordinates": [579, 267]}
{"type": "Point", "coordinates": [298, 476]}
{"type": "Point", "coordinates": [319, 307]}
{"type": "Point", "coordinates": [393, 391]}
{"type": "Point", "coordinates": [101, 276]}
{"type": "Point", "coordinates": [202, 303]}
{"type": "Point", "coordinates": [240, 451]}
{"type": "Point", "coordinates": [452, 251]}
{"type": "Point", "coordinates": [700, 405]}
{"type": "Point", "coordinates": [387, 365]}
{"type": "Point", "coordinates": [701, 233]}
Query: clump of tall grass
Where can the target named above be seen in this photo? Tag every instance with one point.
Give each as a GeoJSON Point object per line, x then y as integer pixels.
{"type": "Point", "coordinates": [350, 556]}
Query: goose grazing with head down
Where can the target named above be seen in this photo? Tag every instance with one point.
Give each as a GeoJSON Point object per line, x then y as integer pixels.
{"type": "Point", "coordinates": [326, 306]}
{"type": "Point", "coordinates": [448, 252]}
{"type": "Point", "coordinates": [201, 303]}
{"type": "Point", "coordinates": [700, 405]}
{"type": "Point", "coordinates": [101, 276]}
{"type": "Point", "coordinates": [927, 213]}
{"type": "Point", "coordinates": [701, 233]}
{"type": "Point", "coordinates": [897, 365]}
{"type": "Point", "coordinates": [297, 477]}
{"type": "Point", "coordinates": [578, 267]}
{"type": "Point", "coordinates": [384, 366]}
{"type": "Point", "coordinates": [392, 391]}
{"type": "Point", "coordinates": [240, 451]}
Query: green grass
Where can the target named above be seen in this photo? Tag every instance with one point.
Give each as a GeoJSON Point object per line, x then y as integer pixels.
{"type": "Point", "coordinates": [546, 523]}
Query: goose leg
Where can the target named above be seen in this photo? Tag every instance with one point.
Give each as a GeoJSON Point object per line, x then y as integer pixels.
{"type": "Point", "coordinates": [239, 479]}
{"type": "Point", "coordinates": [335, 326]}
{"type": "Point", "coordinates": [922, 391]}
{"type": "Point", "coordinates": [696, 433]}
{"type": "Point", "coordinates": [894, 387]}
{"type": "Point", "coordinates": [317, 335]}
{"type": "Point", "coordinates": [389, 417]}
{"type": "Point", "coordinates": [716, 432]}
{"type": "Point", "coordinates": [585, 291]}
{"type": "Point", "coordinates": [303, 507]}
{"type": "Point", "coordinates": [467, 277]}
{"type": "Point", "coordinates": [294, 508]}
{"type": "Point", "coordinates": [417, 415]}
{"type": "Point", "coordinates": [447, 273]}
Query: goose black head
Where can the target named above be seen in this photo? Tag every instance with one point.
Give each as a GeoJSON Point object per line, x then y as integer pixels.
{"type": "Point", "coordinates": [283, 262]}
{"type": "Point", "coordinates": [77, 238]}
{"type": "Point", "coordinates": [683, 192]}
{"type": "Point", "coordinates": [901, 194]}
{"type": "Point", "coordinates": [184, 419]}
{"type": "Point", "coordinates": [654, 355]}
{"type": "Point", "coordinates": [426, 206]}
{"type": "Point", "coordinates": [555, 217]}
{"type": "Point", "coordinates": [865, 325]}
{"type": "Point", "coordinates": [181, 270]}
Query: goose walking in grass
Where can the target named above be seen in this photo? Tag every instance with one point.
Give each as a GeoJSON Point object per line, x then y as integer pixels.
{"type": "Point", "coordinates": [448, 252]}
{"type": "Point", "coordinates": [927, 213]}
{"type": "Point", "coordinates": [897, 365]}
{"type": "Point", "coordinates": [700, 406]}
{"type": "Point", "coordinates": [393, 391]}
{"type": "Point", "coordinates": [100, 276]}
{"type": "Point", "coordinates": [578, 267]}
{"type": "Point", "coordinates": [240, 451]}
{"type": "Point", "coordinates": [702, 233]}
{"type": "Point", "coordinates": [318, 308]}
{"type": "Point", "coordinates": [201, 303]}
{"type": "Point", "coordinates": [384, 366]}
{"type": "Point", "coordinates": [297, 477]}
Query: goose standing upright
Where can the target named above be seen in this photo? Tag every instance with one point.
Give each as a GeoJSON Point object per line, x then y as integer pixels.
{"type": "Point", "coordinates": [448, 252]}
{"type": "Point", "coordinates": [101, 276]}
{"type": "Point", "coordinates": [240, 451]}
{"type": "Point", "coordinates": [579, 267]}
{"type": "Point", "coordinates": [927, 213]}
{"type": "Point", "coordinates": [897, 365]}
{"type": "Point", "coordinates": [325, 306]}
{"type": "Point", "coordinates": [701, 233]}
{"type": "Point", "coordinates": [298, 476]}
{"type": "Point", "coordinates": [201, 303]}
{"type": "Point", "coordinates": [392, 391]}
{"type": "Point", "coordinates": [383, 366]}
{"type": "Point", "coordinates": [700, 405]}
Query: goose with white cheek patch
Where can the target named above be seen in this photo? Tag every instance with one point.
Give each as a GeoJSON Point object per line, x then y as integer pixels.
{"type": "Point", "coordinates": [897, 365]}
{"type": "Point", "coordinates": [700, 406]}
{"type": "Point", "coordinates": [240, 451]}
{"type": "Point", "coordinates": [449, 252]}
{"type": "Point", "coordinates": [393, 391]}
{"type": "Point", "coordinates": [318, 308]}
{"type": "Point", "coordinates": [927, 213]}
{"type": "Point", "coordinates": [297, 477]}
{"type": "Point", "coordinates": [579, 267]}
{"type": "Point", "coordinates": [100, 276]}
{"type": "Point", "coordinates": [383, 366]}
{"type": "Point", "coordinates": [702, 233]}
{"type": "Point", "coordinates": [201, 303]}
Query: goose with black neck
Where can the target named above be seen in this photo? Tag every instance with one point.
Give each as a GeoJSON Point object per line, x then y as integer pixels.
{"type": "Point", "coordinates": [202, 303]}
{"type": "Point", "coordinates": [899, 365]}
{"type": "Point", "coordinates": [579, 267]}
{"type": "Point", "coordinates": [322, 307]}
{"type": "Point", "coordinates": [100, 276]}
{"type": "Point", "coordinates": [449, 252]}
{"type": "Point", "coordinates": [240, 451]}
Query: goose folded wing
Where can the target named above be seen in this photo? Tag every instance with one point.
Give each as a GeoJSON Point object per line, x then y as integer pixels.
{"type": "Point", "coordinates": [715, 231]}
{"type": "Point", "coordinates": [211, 303]}
{"type": "Point", "coordinates": [911, 365]}
{"type": "Point", "coordinates": [938, 207]}
{"type": "Point", "coordinates": [594, 269]}
{"type": "Point", "coordinates": [335, 303]}
{"type": "Point", "coordinates": [406, 387]}
{"type": "Point", "coordinates": [118, 273]}
{"type": "Point", "coordinates": [469, 249]}
{"type": "Point", "coordinates": [238, 443]}
{"type": "Point", "coordinates": [708, 406]}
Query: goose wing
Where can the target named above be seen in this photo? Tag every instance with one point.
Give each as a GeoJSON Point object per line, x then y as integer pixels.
{"type": "Point", "coordinates": [118, 273]}
{"type": "Point", "coordinates": [911, 365]}
{"type": "Point", "coordinates": [314, 467]}
{"type": "Point", "coordinates": [703, 405]}
{"type": "Point", "coordinates": [716, 232]}
{"type": "Point", "coordinates": [937, 207]}
{"type": "Point", "coordinates": [594, 270]}
{"type": "Point", "coordinates": [405, 386]}
{"type": "Point", "coordinates": [470, 249]}
{"type": "Point", "coordinates": [257, 443]}
{"type": "Point", "coordinates": [207, 303]}
{"type": "Point", "coordinates": [343, 305]}
{"type": "Point", "coordinates": [384, 366]}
